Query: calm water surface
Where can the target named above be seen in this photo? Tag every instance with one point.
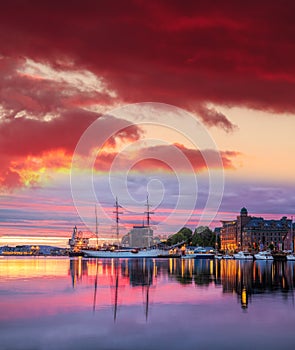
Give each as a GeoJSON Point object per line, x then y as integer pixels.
{"type": "Point", "coordinates": [63, 303]}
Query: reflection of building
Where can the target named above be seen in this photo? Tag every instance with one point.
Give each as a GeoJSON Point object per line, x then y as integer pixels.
{"type": "Point", "coordinates": [141, 272]}
{"type": "Point", "coordinates": [245, 279]}
{"type": "Point", "coordinates": [252, 232]}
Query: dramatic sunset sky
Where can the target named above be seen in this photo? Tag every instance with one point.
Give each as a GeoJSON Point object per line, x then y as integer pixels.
{"type": "Point", "coordinates": [65, 65]}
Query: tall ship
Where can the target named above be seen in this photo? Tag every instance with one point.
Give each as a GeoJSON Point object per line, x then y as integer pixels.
{"type": "Point", "coordinates": [138, 243]}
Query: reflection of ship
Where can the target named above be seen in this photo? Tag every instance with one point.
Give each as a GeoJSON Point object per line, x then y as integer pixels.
{"type": "Point", "coordinates": [77, 243]}
{"type": "Point", "coordinates": [135, 277]}
{"type": "Point", "coordinates": [127, 252]}
{"type": "Point", "coordinates": [139, 272]}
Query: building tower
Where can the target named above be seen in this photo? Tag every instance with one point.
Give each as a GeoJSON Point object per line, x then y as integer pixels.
{"type": "Point", "coordinates": [242, 220]}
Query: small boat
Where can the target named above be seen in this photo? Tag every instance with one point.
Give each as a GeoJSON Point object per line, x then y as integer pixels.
{"type": "Point", "coordinates": [218, 256]}
{"type": "Point", "coordinates": [265, 255]}
{"type": "Point", "coordinates": [202, 253]}
{"type": "Point", "coordinates": [243, 256]}
{"type": "Point", "coordinates": [227, 257]}
{"type": "Point", "coordinates": [198, 253]}
{"type": "Point", "coordinates": [188, 254]}
{"type": "Point", "coordinates": [290, 257]}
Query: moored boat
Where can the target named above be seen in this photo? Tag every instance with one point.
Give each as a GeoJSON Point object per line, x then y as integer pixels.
{"type": "Point", "coordinates": [204, 256]}
{"type": "Point", "coordinates": [204, 253]}
{"type": "Point", "coordinates": [242, 255]}
{"type": "Point", "coordinates": [198, 253]}
{"type": "Point", "coordinates": [126, 253]}
{"type": "Point", "coordinates": [218, 256]}
{"type": "Point", "coordinates": [119, 251]}
{"type": "Point", "coordinates": [77, 243]}
{"type": "Point", "coordinates": [227, 257]}
{"type": "Point", "coordinates": [290, 257]}
{"type": "Point", "coordinates": [188, 254]}
{"type": "Point", "coordinates": [264, 255]}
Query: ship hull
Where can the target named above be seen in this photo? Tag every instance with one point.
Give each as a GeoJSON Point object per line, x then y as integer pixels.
{"type": "Point", "coordinates": [149, 253]}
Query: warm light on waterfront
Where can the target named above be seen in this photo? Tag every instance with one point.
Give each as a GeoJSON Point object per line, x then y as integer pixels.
{"type": "Point", "coordinates": [116, 295]}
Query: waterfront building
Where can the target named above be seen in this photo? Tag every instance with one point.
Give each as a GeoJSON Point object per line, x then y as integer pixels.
{"type": "Point", "coordinates": [249, 232]}
{"type": "Point", "coordinates": [228, 235]}
{"type": "Point", "coordinates": [140, 236]}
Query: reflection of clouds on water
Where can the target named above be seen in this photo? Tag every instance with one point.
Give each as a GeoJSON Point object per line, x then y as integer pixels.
{"type": "Point", "coordinates": [168, 327]}
{"type": "Point", "coordinates": [244, 278]}
{"type": "Point", "coordinates": [187, 299]}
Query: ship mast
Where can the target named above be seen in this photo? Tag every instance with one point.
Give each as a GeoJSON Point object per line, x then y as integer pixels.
{"type": "Point", "coordinates": [96, 227]}
{"type": "Point", "coordinates": [148, 212]}
{"type": "Point", "coordinates": [117, 212]}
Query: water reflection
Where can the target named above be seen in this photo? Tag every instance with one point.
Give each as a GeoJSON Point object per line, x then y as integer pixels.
{"type": "Point", "coordinates": [145, 304]}
{"type": "Point", "coordinates": [243, 278]}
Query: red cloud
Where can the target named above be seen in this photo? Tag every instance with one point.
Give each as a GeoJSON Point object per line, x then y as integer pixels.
{"type": "Point", "coordinates": [28, 145]}
{"type": "Point", "coordinates": [165, 158]}
{"type": "Point", "coordinates": [184, 53]}
{"type": "Point", "coordinates": [38, 96]}
{"type": "Point", "coordinates": [22, 136]}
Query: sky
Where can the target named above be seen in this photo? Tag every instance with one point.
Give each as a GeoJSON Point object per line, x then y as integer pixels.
{"type": "Point", "coordinates": [189, 102]}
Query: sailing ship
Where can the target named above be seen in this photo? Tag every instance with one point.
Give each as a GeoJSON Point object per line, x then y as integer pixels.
{"type": "Point", "coordinates": [150, 251]}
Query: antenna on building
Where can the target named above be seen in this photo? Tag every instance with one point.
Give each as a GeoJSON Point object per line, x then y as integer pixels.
{"type": "Point", "coordinates": [117, 212]}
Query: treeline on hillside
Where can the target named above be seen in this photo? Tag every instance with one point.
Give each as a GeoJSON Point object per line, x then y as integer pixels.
{"type": "Point", "coordinates": [202, 236]}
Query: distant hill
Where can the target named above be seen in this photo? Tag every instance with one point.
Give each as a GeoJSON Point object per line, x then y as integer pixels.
{"type": "Point", "coordinates": [32, 250]}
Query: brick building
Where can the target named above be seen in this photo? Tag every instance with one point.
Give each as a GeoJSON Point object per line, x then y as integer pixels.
{"type": "Point", "coordinates": [247, 232]}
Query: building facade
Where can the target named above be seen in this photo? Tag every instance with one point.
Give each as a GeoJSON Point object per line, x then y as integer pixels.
{"type": "Point", "coordinates": [140, 236]}
{"type": "Point", "coordinates": [249, 232]}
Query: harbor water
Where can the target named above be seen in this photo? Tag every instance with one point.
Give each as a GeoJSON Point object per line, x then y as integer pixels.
{"type": "Point", "coordinates": [78, 303]}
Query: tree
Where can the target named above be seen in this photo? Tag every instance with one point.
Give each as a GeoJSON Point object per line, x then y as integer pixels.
{"type": "Point", "coordinates": [204, 237]}
{"type": "Point", "coordinates": [185, 234]}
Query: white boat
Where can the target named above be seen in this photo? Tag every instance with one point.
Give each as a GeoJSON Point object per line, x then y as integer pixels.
{"type": "Point", "coordinates": [189, 254]}
{"type": "Point", "coordinates": [126, 253]}
{"type": "Point", "coordinates": [265, 255]}
{"type": "Point", "coordinates": [198, 253]}
{"type": "Point", "coordinates": [218, 256]}
{"type": "Point", "coordinates": [202, 253]}
{"type": "Point", "coordinates": [243, 256]}
{"type": "Point", "coordinates": [290, 257]}
{"type": "Point", "coordinates": [227, 257]}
